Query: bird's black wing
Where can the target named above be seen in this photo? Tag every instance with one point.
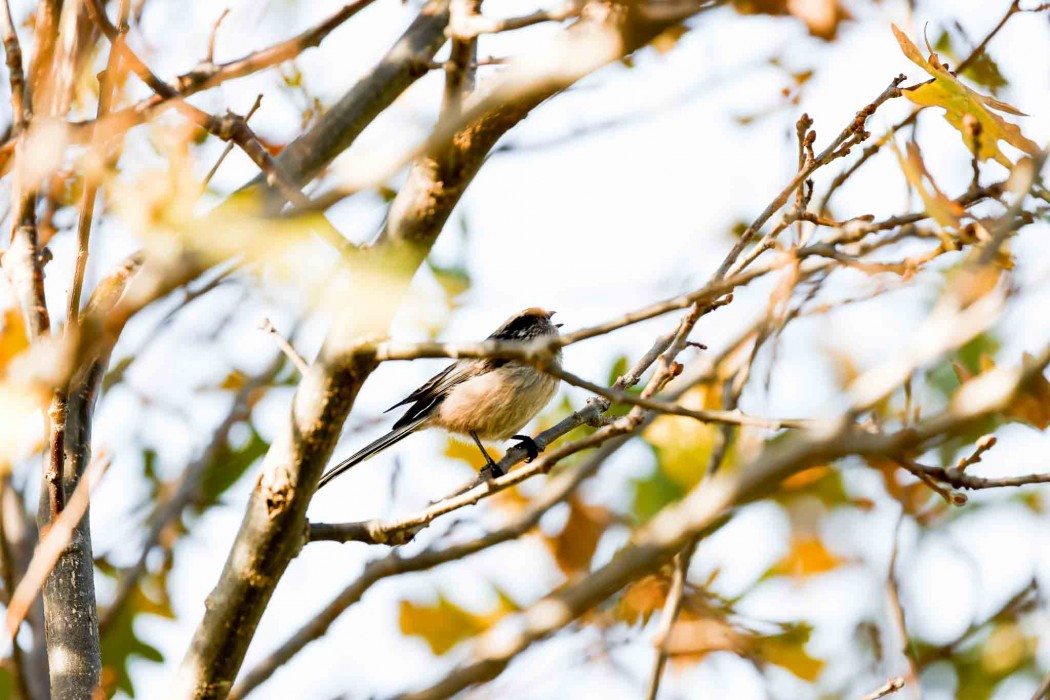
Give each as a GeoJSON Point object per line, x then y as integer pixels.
{"type": "Point", "coordinates": [427, 397]}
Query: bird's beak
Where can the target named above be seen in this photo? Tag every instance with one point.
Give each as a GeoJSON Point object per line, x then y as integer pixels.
{"type": "Point", "coordinates": [558, 325]}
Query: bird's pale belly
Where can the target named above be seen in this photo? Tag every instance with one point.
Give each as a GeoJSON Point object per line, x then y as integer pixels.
{"type": "Point", "coordinates": [497, 404]}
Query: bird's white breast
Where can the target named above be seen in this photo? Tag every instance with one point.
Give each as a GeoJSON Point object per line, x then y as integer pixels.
{"type": "Point", "coordinates": [498, 403]}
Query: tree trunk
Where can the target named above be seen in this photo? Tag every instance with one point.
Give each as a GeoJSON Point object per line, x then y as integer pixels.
{"type": "Point", "coordinates": [70, 612]}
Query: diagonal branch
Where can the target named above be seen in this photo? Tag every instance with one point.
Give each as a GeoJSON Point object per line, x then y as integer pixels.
{"type": "Point", "coordinates": [671, 529]}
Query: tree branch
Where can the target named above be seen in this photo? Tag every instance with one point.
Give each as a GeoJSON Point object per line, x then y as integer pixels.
{"type": "Point", "coordinates": [555, 491]}
{"type": "Point", "coordinates": [671, 529]}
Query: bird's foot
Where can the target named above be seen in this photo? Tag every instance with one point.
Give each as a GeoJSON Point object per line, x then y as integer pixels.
{"type": "Point", "coordinates": [530, 446]}
{"type": "Point", "coordinates": [491, 471]}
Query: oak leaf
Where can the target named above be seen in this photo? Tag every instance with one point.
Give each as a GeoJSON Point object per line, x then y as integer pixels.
{"type": "Point", "coordinates": [949, 93]}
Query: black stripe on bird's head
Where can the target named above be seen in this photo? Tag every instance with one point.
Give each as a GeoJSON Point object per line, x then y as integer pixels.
{"type": "Point", "coordinates": [525, 325]}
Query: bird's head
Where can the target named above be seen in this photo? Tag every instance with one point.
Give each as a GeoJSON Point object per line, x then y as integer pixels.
{"type": "Point", "coordinates": [531, 323]}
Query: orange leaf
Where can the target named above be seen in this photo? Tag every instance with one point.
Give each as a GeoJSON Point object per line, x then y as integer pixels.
{"type": "Point", "coordinates": [575, 545]}
{"type": "Point", "coordinates": [808, 556]}
{"type": "Point", "coordinates": [13, 340]}
{"type": "Point", "coordinates": [690, 640]}
{"type": "Point", "coordinates": [642, 598]}
{"type": "Point", "coordinates": [1032, 405]}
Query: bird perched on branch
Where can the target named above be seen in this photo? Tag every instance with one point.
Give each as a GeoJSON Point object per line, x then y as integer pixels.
{"type": "Point", "coordinates": [487, 399]}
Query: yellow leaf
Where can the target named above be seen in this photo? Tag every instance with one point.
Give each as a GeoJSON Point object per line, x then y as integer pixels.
{"type": "Point", "coordinates": [1032, 405]}
{"type": "Point", "coordinates": [942, 209]}
{"type": "Point", "coordinates": [574, 546]}
{"type": "Point", "coordinates": [444, 624]}
{"type": "Point", "coordinates": [690, 640]}
{"type": "Point", "coordinates": [822, 17]}
{"type": "Point", "coordinates": [683, 445]}
{"type": "Point", "coordinates": [13, 340]}
{"type": "Point", "coordinates": [804, 478]}
{"type": "Point", "coordinates": [1006, 649]}
{"type": "Point", "coordinates": [807, 557]}
{"type": "Point", "coordinates": [788, 651]}
{"type": "Point", "coordinates": [468, 452]}
{"type": "Point", "coordinates": [948, 92]}
{"type": "Point", "coordinates": [234, 381]}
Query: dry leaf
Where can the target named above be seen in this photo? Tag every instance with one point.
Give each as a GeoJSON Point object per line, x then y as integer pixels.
{"type": "Point", "coordinates": [938, 205]}
{"type": "Point", "coordinates": [807, 557]}
{"type": "Point", "coordinates": [574, 546]}
{"type": "Point", "coordinates": [958, 101]}
{"type": "Point", "coordinates": [642, 598]}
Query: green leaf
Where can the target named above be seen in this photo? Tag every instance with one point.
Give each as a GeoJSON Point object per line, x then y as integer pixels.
{"type": "Point", "coordinates": [454, 280]}
{"type": "Point", "coordinates": [652, 493]}
{"type": "Point", "coordinates": [120, 645]}
{"type": "Point", "coordinates": [982, 70]}
{"type": "Point", "coordinates": [7, 684]}
{"type": "Point", "coordinates": [227, 467]}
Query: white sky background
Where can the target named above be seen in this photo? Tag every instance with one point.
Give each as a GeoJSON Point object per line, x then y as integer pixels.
{"type": "Point", "coordinates": [592, 227]}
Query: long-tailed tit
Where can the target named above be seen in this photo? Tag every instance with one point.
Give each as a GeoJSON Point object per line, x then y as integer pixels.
{"type": "Point", "coordinates": [487, 399]}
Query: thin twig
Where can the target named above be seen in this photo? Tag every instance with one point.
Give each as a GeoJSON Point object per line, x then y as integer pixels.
{"type": "Point", "coordinates": [210, 56]}
{"type": "Point", "coordinates": [286, 347]}
{"type": "Point", "coordinates": [229, 146]}
{"type": "Point", "coordinates": [107, 89]}
{"type": "Point", "coordinates": [672, 607]}
{"type": "Point", "coordinates": [896, 610]}
{"type": "Point", "coordinates": [479, 24]}
{"type": "Point", "coordinates": [889, 688]}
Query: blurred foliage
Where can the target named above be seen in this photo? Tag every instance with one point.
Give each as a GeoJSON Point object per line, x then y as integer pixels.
{"type": "Point", "coordinates": [996, 648]}
{"type": "Point", "coordinates": [821, 17]}
{"type": "Point", "coordinates": [708, 624]}
{"type": "Point", "coordinates": [121, 645]}
{"type": "Point", "coordinates": [683, 447]}
{"type": "Point", "coordinates": [574, 546]}
{"type": "Point", "coordinates": [228, 467]}
{"type": "Point", "coordinates": [982, 70]}
{"type": "Point", "coordinates": [444, 624]}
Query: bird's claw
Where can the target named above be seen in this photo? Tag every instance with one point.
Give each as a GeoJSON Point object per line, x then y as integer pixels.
{"type": "Point", "coordinates": [491, 471]}
{"type": "Point", "coordinates": [530, 446]}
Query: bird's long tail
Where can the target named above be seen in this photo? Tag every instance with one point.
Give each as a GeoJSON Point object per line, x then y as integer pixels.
{"type": "Point", "coordinates": [369, 450]}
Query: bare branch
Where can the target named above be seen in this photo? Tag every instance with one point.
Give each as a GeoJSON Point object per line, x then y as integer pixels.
{"type": "Point", "coordinates": [286, 347]}
{"type": "Point", "coordinates": [555, 491]}
{"type": "Point", "coordinates": [672, 607]}
{"type": "Point", "coordinates": [670, 530]}
{"type": "Point", "coordinates": [480, 24]}
{"type": "Point", "coordinates": [889, 688]}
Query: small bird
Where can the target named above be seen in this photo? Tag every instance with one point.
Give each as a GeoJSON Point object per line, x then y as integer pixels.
{"type": "Point", "coordinates": [487, 399]}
